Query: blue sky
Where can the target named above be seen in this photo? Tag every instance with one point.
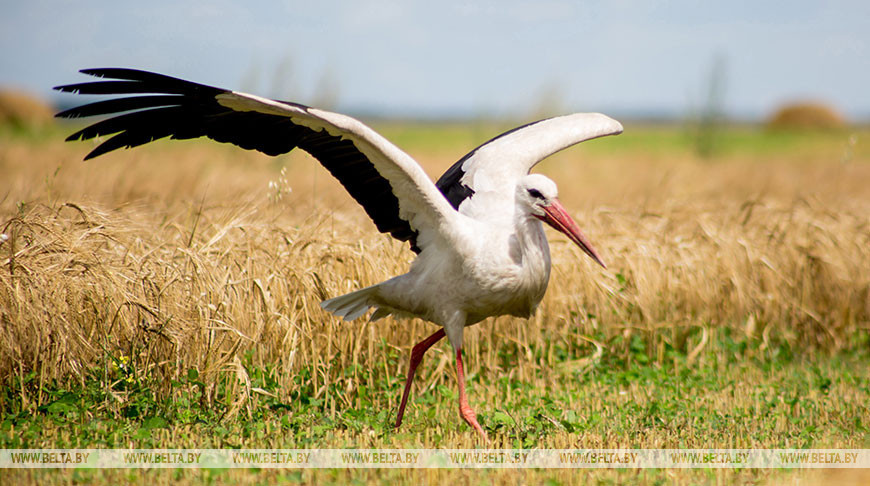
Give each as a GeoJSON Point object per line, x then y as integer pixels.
{"type": "Point", "coordinates": [501, 58]}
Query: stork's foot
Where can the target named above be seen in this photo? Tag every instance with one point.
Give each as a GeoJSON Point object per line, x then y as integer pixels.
{"type": "Point", "coordinates": [470, 418]}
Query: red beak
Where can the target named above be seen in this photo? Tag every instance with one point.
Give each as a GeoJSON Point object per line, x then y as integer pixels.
{"type": "Point", "coordinates": [556, 216]}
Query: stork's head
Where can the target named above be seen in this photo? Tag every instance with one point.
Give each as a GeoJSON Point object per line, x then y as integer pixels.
{"type": "Point", "coordinates": [540, 195]}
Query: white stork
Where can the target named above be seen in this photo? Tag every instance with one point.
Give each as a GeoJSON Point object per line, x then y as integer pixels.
{"type": "Point", "coordinates": [477, 231]}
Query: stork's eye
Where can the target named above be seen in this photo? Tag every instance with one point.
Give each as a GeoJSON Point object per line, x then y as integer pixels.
{"type": "Point", "coordinates": [536, 194]}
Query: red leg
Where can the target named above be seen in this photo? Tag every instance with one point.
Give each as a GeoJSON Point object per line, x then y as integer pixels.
{"type": "Point", "coordinates": [416, 357]}
{"type": "Point", "coordinates": [465, 410]}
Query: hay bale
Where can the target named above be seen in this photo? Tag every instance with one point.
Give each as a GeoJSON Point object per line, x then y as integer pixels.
{"type": "Point", "coordinates": [806, 116]}
{"type": "Point", "coordinates": [22, 110]}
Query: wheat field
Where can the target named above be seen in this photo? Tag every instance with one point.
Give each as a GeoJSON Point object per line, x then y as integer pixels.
{"type": "Point", "coordinates": [182, 256]}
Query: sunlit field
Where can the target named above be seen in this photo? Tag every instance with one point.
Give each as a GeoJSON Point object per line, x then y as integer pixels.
{"type": "Point", "coordinates": [168, 297]}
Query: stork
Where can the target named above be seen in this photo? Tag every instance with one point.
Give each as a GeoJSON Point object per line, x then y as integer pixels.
{"type": "Point", "coordinates": [481, 248]}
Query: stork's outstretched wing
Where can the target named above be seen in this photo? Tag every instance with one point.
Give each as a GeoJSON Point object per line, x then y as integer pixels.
{"type": "Point", "coordinates": [495, 167]}
{"type": "Point", "coordinates": [392, 188]}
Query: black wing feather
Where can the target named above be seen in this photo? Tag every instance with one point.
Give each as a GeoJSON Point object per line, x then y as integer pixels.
{"type": "Point", "coordinates": [119, 105]}
{"type": "Point", "coordinates": [451, 186]}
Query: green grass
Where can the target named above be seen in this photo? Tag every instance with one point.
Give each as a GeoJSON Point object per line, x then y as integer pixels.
{"type": "Point", "coordinates": [738, 394]}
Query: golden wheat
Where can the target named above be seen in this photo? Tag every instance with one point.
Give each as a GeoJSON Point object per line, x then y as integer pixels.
{"type": "Point", "coordinates": [174, 256]}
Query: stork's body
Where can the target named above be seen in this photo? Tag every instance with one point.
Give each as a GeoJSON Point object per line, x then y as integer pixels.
{"type": "Point", "coordinates": [485, 269]}
{"type": "Point", "coordinates": [481, 247]}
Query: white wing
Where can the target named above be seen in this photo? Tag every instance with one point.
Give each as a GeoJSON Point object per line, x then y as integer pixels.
{"type": "Point", "coordinates": [488, 174]}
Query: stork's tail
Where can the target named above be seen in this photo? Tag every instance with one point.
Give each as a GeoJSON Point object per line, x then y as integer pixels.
{"type": "Point", "coordinates": [355, 304]}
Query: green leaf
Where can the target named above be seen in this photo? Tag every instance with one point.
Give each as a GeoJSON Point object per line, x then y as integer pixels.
{"type": "Point", "coordinates": [500, 417]}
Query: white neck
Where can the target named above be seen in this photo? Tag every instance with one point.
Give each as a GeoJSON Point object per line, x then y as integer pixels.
{"type": "Point", "coordinates": [531, 239]}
